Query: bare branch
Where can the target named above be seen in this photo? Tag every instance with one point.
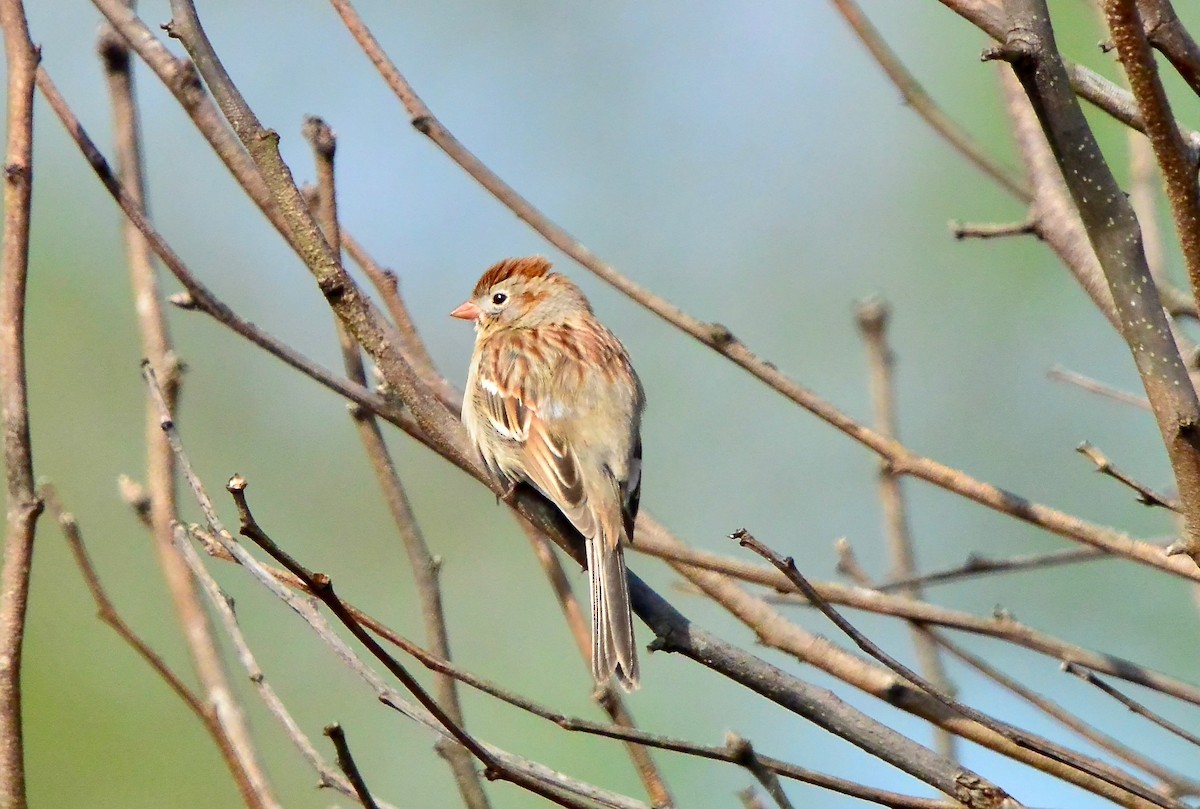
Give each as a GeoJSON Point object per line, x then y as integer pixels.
{"type": "Point", "coordinates": [1168, 35]}
{"type": "Point", "coordinates": [1145, 495]}
{"type": "Point", "coordinates": [1099, 388]}
{"type": "Point", "coordinates": [1174, 160]}
{"type": "Point", "coordinates": [916, 97]}
{"type": "Point", "coordinates": [1112, 228]}
{"type": "Point", "coordinates": [349, 767]}
{"type": "Point", "coordinates": [1132, 704]}
{"type": "Point", "coordinates": [1019, 737]}
{"type": "Point", "coordinates": [23, 505]}
{"type": "Point", "coordinates": [872, 317]}
{"type": "Point", "coordinates": [1178, 784]}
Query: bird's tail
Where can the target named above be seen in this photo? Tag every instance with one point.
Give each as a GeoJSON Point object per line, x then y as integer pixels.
{"type": "Point", "coordinates": [613, 650]}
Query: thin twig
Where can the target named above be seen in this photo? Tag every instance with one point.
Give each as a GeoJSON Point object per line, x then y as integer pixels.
{"type": "Point", "coordinates": [148, 301]}
{"type": "Point", "coordinates": [1099, 388]}
{"type": "Point", "coordinates": [993, 230]}
{"type": "Point", "coordinates": [346, 761]}
{"type": "Point", "coordinates": [23, 504]}
{"type": "Point", "coordinates": [743, 753]}
{"type": "Point", "coordinates": [872, 317]}
{"type": "Point", "coordinates": [424, 567]}
{"type": "Point", "coordinates": [976, 565]}
{"type": "Point", "coordinates": [387, 285]}
{"type": "Point", "coordinates": [1179, 785]}
{"type": "Point", "coordinates": [1133, 705]}
{"type": "Point", "coordinates": [223, 606]}
{"type": "Point", "coordinates": [244, 766]}
{"type": "Point", "coordinates": [1019, 737]}
{"type": "Point", "coordinates": [1145, 495]}
{"type": "Point", "coordinates": [107, 613]}
{"type": "Point", "coordinates": [916, 97]}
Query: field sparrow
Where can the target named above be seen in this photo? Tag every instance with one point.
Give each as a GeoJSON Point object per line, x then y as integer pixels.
{"type": "Point", "coordinates": [552, 400]}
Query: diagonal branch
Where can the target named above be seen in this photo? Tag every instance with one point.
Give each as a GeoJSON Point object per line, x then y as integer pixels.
{"type": "Point", "coordinates": [916, 97]}
{"type": "Point", "coordinates": [1168, 35]}
{"type": "Point", "coordinates": [1112, 228]}
{"type": "Point", "coordinates": [341, 292]}
{"type": "Point", "coordinates": [1174, 161]}
{"type": "Point", "coordinates": [1016, 736]}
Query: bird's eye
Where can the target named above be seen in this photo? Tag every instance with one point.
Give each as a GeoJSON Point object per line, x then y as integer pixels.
{"type": "Point", "coordinates": [499, 298]}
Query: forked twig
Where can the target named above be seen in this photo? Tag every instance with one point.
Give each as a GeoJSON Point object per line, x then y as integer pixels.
{"type": "Point", "coordinates": [787, 566]}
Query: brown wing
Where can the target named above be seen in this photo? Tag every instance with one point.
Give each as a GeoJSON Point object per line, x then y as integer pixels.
{"type": "Point", "coordinates": [514, 401]}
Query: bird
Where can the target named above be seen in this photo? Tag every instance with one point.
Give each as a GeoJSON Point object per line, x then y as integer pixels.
{"type": "Point", "coordinates": [552, 401]}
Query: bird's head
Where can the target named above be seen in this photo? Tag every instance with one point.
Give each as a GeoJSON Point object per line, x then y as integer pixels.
{"type": "Point", "coordinates": [521, 293]}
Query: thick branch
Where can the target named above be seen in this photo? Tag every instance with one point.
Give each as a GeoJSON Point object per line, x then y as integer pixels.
{"type": "Point", "coordinates": [1168, 35]}
{"type": "Point", "coordinates": [1113, 231]}
{"type": "Point", "coordinates": [341, 292]}
{"type": "Point", "coordinates": [1177, 166]}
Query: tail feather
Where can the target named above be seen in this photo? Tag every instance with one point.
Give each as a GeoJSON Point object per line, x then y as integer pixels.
{"type": "Point", "coordinates": [613, 649]}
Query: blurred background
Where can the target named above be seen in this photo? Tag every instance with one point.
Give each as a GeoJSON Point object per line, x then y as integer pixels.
{"type": "Point", "coordinates": [747, 161]}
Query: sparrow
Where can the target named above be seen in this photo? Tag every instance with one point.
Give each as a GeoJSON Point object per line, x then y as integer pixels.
{"type": "Point", "coordinates": [552, 401]}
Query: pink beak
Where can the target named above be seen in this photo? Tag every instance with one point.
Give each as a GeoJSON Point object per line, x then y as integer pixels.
{"type": "Point", "coordinates": [467, 311]}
